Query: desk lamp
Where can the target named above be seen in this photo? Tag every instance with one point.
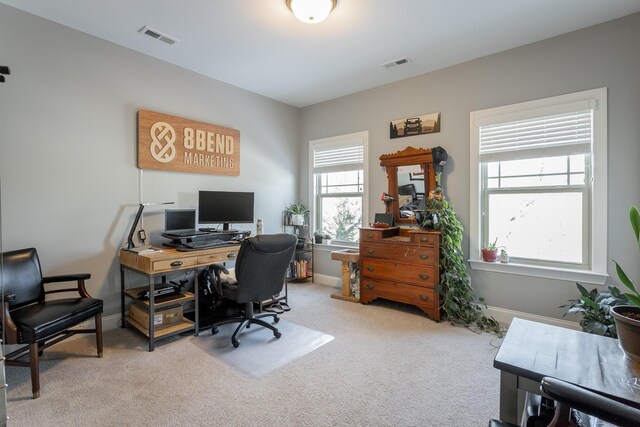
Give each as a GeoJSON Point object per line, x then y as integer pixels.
{"type": "Point", "coordinates": [130, 244]}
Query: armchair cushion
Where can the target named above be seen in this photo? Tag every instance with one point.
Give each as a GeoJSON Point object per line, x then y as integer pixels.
{"type": "Point", "coordinates": [42, 320]}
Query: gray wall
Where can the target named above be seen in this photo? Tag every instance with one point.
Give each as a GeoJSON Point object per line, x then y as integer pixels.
{"type": "Point", "coordinates": [604, 55]}
{"type": "Point", "coordinates": [68, 146]}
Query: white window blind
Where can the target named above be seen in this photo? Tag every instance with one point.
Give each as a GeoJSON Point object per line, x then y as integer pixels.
{"type": "Point", "coordinates": [550, 135]}
{"type": "Point", "coordinates": [332, 158]}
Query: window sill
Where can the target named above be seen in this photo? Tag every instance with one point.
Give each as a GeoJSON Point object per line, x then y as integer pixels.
{"type": "Point", "coordinates": [333, 246]}
{"type": "Point", "coordinates": [582, 276]}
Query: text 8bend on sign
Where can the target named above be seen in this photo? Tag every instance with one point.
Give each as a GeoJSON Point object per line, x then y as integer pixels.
{"type": "Point", "coordinates": [171, 143]}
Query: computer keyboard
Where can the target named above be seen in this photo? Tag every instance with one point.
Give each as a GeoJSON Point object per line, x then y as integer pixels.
{"type": "Point", "coordinates": [201, 244]}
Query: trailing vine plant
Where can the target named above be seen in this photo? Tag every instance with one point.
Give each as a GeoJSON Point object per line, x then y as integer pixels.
{"type": "Point", "coordinates": [459, 302]}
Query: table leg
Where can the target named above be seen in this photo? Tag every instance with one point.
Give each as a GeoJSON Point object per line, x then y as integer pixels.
{"type": "Point", "coordinates": [152, 312]}
{"type": "Point", "coordinates": [122, 325]}
{"type": "Point", "coordinates": [509, 398]}
{"type": "Point", "coordinates": [197, 302]}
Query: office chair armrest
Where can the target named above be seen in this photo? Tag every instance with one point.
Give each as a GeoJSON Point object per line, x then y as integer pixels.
{"type": "Point", "coordinates": [10, 328]}
{"type": "Point", "coordinates": [589, 402]}
{"type": "Point", "coordinates": [80, 278]}
{"type": "Point", "coordinates": [219, 268]}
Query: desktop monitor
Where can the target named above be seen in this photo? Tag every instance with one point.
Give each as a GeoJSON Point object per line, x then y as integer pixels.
{"type": "Point", "coordinates": [225, 207]}
{"type": "Point", "coordinates": [176, 220]}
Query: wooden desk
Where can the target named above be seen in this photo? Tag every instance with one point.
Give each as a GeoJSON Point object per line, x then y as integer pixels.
{"type": "Point", "coordinates": [531, 351]}
{"type": "Point", "coordinates": [169, 260]}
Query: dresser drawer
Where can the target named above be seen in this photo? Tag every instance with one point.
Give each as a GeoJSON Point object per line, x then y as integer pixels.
{"type": "Point", "coordinates": [418, 274]}
{"type": "Point", "coordinates": [425, 297]}
{"type": "Point", "coordinates": [376, 234]}
{"type": "Point", "coordinates": [422, 239]}
{"type": "Point", "coordinates": [170, 264]}
{"type": "Point", "coordinates": [400, 253]}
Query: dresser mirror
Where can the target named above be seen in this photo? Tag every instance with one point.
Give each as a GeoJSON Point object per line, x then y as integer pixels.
{"type": "Point", "coordinates": [411, 176]}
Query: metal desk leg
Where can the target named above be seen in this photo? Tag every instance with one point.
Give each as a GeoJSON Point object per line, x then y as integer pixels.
{"type": "Point", "coordinates": [195, 290]}
{"type": "Point", "coordinates": [152, 302]}
{"type": "Point", "coordinates": [509, 398]}
{"type": "Point", "coordinates": [122, 325]}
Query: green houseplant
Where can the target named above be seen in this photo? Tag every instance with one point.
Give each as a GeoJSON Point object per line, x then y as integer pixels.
{"type": "Point", "coordinates": [490, 252]}
{"type": "Point", "coordinates": [458, 299]}
{"type": "Point", "coordinates": [627, 317]}
{"type": "Point", "coordinates": [297, 211]}
{"type": "Point", "coordinates": [595, 309]}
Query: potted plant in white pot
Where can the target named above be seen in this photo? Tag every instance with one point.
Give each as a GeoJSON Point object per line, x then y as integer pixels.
{"type": "Point", "coordinates": [627, 317]}
{"type": "Point", "coordinates": [297, 211]}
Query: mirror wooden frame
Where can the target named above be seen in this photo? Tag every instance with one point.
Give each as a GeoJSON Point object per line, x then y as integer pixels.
{"type": "Point", "coordinates": [408, 157]}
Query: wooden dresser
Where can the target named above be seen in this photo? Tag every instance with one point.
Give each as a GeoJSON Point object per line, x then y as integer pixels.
{"type": "Point", "coordinates": [401, 267]}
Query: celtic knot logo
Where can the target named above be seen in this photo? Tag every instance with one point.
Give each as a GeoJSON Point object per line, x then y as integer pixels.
{"type": "Point", "coordinates": [163, 132]}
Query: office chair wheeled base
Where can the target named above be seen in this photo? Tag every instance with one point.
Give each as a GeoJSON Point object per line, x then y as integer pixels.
{"type": "Point", "coordinates": [246, 321]}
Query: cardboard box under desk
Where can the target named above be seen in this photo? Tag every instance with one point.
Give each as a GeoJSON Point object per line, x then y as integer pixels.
{"type": "Point", "coordinates": [162, 317]}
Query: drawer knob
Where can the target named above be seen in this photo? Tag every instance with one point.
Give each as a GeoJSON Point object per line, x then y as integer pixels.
{"type": "Point", "coordinates": [424, 297]}
{"type": "Point", "coordinates": [370, 268]}
{"type": "Point", "coordinates": [370, 286]}
{"type": "Point", "coordinates": [424, 276]}
{"type": "Point", "coordinates": [424, 239]}
{"type": "Point", "coordinates": [369, 235]}
{"type": "Point", "coordinates": [176, 264]}
{"type": "Point", "coordinates": [424, 256]}
{"type": "Point", "coordinates": [370, 251]}
{"type": "Point", "coordinates": [233, 255]}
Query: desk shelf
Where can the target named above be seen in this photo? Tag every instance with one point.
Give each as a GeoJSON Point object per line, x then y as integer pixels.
{"type": "Point", "coordinates": [133, 294]}
{"type": "Point", "coordinates": [176, 328]}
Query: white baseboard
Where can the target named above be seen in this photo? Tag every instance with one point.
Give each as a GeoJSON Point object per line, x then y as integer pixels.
{"type": "Point", "coordinates": [505, 316]}
{"type": "Point", "coordinates": [324, 279]}
{"type": "Point", "coordinates": [108, 322]}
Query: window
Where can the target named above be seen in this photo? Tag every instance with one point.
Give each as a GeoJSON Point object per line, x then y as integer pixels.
{"type": "Point", "coordinates": [338, 180]}
{"type": "Point", "coordinates": [538, 179]}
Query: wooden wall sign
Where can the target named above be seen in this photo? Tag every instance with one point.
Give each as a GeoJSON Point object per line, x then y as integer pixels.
{"type": "Point", "coordinates": [176, 144]}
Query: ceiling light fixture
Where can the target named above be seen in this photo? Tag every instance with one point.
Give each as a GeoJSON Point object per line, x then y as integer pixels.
{"type": "Point", "coordinates": [311, 11]}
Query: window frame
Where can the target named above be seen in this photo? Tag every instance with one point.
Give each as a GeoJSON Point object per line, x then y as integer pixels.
{"type": "Point", "coordinates": [596, 244]}
{"type": "Point", "coordinates": [356, 138]}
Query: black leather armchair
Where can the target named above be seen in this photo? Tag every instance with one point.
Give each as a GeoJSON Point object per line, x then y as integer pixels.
{"type": "Point", "coordinates": [569, 396]}
{"type": "Point", "coordinates": [30, 319]}
{"type": "Point", "coordinates": [260, 272]}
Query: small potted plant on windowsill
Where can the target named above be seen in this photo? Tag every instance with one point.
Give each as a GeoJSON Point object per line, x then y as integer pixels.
{"type": "Point", "coordinates": [318, 236]}
{"type": "Point", "coordinates": [326, 240]}
{"type": "Point", "coordinates": [297, 211]}
{"type": "Point", "coordinates": [490, 252]}
{"type": "Point", "coordinates": [627, 317]}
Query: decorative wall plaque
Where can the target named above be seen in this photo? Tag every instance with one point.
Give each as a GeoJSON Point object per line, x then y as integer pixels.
{"type": "Point", "coordinates": [176, 144]}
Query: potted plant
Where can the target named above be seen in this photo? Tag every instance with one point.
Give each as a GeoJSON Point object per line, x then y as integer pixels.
{"type": "Point", "coordinates": [595, 308]}
{"type": "Point", "coordinates": [627, 317]}
{"type": "Point", "coordinates": [326, 240]}
{"type": "Point", "coordinates": [297, 211]}
{"type": "Point", "coordinates": [318, 236]}
{"type": "Point", "coordinates": [490, 252]}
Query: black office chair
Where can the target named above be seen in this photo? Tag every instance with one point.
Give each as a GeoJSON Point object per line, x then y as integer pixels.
{"type": "Point", "coordinates": [29, 319]}
{"type": "Point", "coordinates": [260, 272]}
{"type": "Point", "coordinates": [569, 396]}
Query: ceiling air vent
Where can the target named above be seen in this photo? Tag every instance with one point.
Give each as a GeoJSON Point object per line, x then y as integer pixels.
{"type": "Point", "coordinates": [396, 62]}
{"type": "Point", "coordinates": [157, 35]}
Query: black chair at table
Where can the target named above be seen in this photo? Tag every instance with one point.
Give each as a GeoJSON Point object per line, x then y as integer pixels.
{"type": "Point", "coordinates": [570, 397]}
{"type": "Point", "coordinates": [29, 319]}
{"type": "Point", "coordinates": [260, 273]}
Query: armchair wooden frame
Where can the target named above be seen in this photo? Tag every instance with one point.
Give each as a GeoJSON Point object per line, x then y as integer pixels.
{"type": "Point", "coordinates": [35, 349]}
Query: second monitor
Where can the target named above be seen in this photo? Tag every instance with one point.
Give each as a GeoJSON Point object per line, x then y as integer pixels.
{"type": "Point", "coordinates": [225, 207]}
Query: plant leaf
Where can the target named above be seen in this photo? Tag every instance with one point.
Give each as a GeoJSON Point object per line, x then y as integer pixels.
{"type": "Point", "coordinates": [624, 279]}
{"type": "Point", "coordinates": [634, 216]}
{"type": "Point", "coordinates": [582, 290]}
{"type": "Point", "coordinates": [634, 299]}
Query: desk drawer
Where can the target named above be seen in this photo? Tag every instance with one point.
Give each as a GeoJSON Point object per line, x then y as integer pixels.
{"type": "Point", "coordinates": [177, 264]}
{"type": "Point", "coordinates": [420, 275]}
{"type": "Point", "coordinates": [218, 257]}
{"type": "Point", "coordinates": [424, 297]}
{"type": "Point", "coordinates": [401, 253]}
{"type": "Point", "coordinates": [374, 234]}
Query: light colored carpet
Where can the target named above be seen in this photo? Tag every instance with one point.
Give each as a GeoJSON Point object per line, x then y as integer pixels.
{"type": "Point", "coordinates": [388, 365]}
{"type": "Point", "coordinates": [260, 352]}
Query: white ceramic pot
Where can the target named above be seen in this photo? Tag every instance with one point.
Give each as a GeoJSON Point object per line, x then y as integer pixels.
{"type": "Point", "coordinates": [297, 219]}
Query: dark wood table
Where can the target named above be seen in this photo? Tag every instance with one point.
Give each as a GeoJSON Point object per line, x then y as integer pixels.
{"type": "Point", "coordinates": [531, 351]}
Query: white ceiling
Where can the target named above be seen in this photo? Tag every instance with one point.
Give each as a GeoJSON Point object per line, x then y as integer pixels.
{"type": "Point", "coordinates": [260, 46]}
